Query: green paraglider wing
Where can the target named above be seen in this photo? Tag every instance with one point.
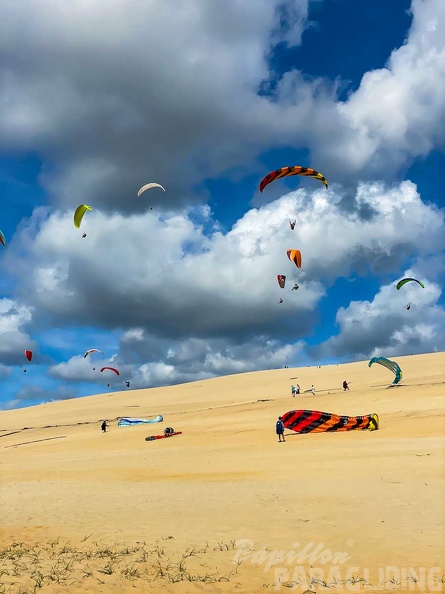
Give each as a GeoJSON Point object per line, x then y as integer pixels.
{"type": "Point", "coordinates": [391, 365]}
{"type": "Point", "coordinates": [407, 280]}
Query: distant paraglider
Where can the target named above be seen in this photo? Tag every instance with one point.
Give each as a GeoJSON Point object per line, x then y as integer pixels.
{"type": "Point", "coordinates": [111, 369]}
{"type": "Point", "coordinates": [2, 239]}
{"type": "Point", "coordinates": [295, 287]}
{"type": "Point", "coordinates": [28, 355]}
{"type": "Point", "coordinates": [79, 214]}
{"type": "Point", "coordinates": [407, 280]}
{"type": "Point", "coordinates": [292, 224]}
{"type": "Point", "coordinates": [281, 280]}
{"type": "Point", "coordinates": [280, 301]}
{"type": "Point", "coordinates": [295, 257]}
{"type": "Point", "coordinates": [92, 351]}
{"type": "Point", "coordinates": [408, 307]}
{"type": "Point", "coordinates": [288, 171]}
{"type": "Point", "coordinates": [148, 186]}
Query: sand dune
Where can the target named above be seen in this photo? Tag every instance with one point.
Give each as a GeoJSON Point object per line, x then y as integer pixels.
{"type": "Point", "coordinates": [375, 498]}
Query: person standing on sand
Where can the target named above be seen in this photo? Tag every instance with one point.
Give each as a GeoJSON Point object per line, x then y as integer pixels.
{"type": "Point", "coordinates": [279, 427]}
{"type": "Point", "coordinates": [313, 390]}
{"type": "Point", "coordinates": [345, 385]}
{"type": "Point", "coordinates": [104, 426]}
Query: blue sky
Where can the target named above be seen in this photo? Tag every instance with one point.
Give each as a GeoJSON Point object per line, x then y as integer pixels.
{"type": "Point", "coordinates": [181, 285]}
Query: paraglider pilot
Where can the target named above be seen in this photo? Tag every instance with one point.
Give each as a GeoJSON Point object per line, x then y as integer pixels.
{"type": "Point", "coordinates": [104, 426]}
{"type": "Point", "coordinates": [345, 385]}
{"type": "Point", "coordinates": [279, 428]}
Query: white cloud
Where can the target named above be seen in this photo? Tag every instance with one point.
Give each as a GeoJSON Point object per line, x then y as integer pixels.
{"type": "Point", "coordinates": [385, 327]}
{"type": "Point", "coordinates": [113, 96]}
{"type": "Point", "coordinates": [165, 275]}
{"type": "Point", "coordinates": [14, 318]}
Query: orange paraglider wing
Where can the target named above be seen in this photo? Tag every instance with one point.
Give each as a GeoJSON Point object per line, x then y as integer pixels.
{"type": "Point", "coordinates": [294, 170]}
{"type": "Point", "coordinates": [295, 257]}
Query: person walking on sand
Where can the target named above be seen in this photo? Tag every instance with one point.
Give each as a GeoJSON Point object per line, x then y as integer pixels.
{"type": "Point", "coordinates": [279, 427]}
{"type": "Point", "coordinates": [298, 389]}
{"type": "Point", "coordinates": [345, 385]}
{"type": "Point", "coordinates": [104, 427]}
{"type": "Point", "coordinates": [313, 390]}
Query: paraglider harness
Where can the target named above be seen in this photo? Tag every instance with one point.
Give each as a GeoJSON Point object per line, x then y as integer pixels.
{"type": "Point", "coordinates": [168, 430]}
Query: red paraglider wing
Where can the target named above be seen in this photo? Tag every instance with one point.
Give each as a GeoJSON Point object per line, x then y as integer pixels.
{"type": "Point", "coordinates": [111, 369]}
{"type": "Point", "coordinates": [28, 355]}
{"type": "Point", "coordinates": [281, 280]}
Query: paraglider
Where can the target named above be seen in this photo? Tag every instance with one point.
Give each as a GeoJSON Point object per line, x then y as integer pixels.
{"type": "Point", "coordinates": [292, 224]}
{"type": "Point", "coordinates": [79, 213]}
{"type": "Point", "coordinates": [131, 421]}
{"type": "Point", "coordinates": [281, 280]}
{"type": "Point", "coordinates": [295, 257]}
{"type": "Point", "coordinates": [84, 235]}
{"type": "Point", "coordinates": [407, 280]}
{"type": "Point", "coordinates": [314, 421]}
{"type": "Point", "coordinates": [280, 301]}
{"type": "Point", "coordinates": [111, 369]}
{"type": "Point", "coordinates": [148, 186]}
{"type": "Point", "coordinates": [127, 383]}
{"type": "Point", "coordinates": [92, 351]}
{"type": "Point", "coordinates": [28, 355]}
{"type": "Point", "coordinates": [294, 170]}
{"type": "Point", "coordinates": [2, 239]}
{"type": "Point", "coordinates": [408, 307]}
{"type": "Point", "coordinates": [295, 287]}
{"type": "Point", "coordinates": [391, 365]}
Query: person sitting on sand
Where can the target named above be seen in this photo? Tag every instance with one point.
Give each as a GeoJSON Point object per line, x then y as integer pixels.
{"type": "Point", "coordinates": [279, 427]}
{"type": "Point", "coordinates": [345, 385]}
{"type": "Point", "coordinates": [168, 431]}
{"type": "Point", "coordinates": [104, 426]}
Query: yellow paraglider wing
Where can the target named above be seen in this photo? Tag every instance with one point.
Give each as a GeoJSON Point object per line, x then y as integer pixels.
{"type": "Point", "coordinates": [78, 215]}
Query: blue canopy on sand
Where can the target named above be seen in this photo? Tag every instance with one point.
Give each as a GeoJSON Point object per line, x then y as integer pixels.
{"type": "Point", "coordinates": [128, 421]}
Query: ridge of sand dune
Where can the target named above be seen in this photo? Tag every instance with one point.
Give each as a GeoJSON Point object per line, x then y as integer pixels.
{"type": "Point", "coordinates": [376, 496]}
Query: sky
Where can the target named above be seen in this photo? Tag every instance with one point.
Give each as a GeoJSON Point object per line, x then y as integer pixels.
{"type": "Point", "coordinates": [206, 98]}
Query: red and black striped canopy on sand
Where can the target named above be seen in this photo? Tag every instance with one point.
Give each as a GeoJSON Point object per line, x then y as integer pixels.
{"type": "Point", "coordinates": [314, 421]}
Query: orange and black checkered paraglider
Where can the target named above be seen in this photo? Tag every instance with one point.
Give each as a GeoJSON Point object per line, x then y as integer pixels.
{"type": "Point", "coordinates": [314, 421]}
{"type": "Point", "coordinates": [294, 170]}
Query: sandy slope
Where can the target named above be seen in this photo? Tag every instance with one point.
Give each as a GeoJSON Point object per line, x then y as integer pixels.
{"type": "Point", "coordinates": [377, 497]}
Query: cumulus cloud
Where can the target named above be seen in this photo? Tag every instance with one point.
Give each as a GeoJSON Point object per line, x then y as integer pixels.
{"type": "Point", "coordinates": [384, 327]}
{"type": "Point", "coordinates": [398, 112]}
{"type": "Point", "coordinates": [14, 318]}
{"type": "Point", "coordinates": [167, 276]}
{"type": "Point", "coordinates": [148, 361]}
{"type": "Point", "coordinates": [115, 96]}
